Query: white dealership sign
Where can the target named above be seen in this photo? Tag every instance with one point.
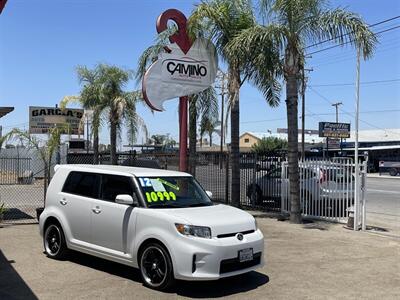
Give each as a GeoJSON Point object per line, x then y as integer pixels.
{"type": "Point", "coordinates": [177, 74]}
{"type": "Point", "coordinates": [43, 118]}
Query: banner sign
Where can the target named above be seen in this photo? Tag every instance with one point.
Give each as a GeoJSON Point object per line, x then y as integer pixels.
{"type": "Point", "coordinates": [177, 74]}
{"type": "Point", "coordinates": [334, 130]}
{"type": "Point", "coordinates": [43, 118]}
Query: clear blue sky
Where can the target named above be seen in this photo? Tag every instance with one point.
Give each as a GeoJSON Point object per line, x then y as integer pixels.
{"type": "Point", "coordinates": [41, 43]}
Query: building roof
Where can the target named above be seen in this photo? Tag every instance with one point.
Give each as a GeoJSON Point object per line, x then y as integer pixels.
{"type": "Point", "coordinates": [308, 138]}
{"type": "Point", "coordinates": [376, 135]}
{"type": "Point", "coordinates": [5, 110]}
{"type": "Point", "coordinates": [121, 170]}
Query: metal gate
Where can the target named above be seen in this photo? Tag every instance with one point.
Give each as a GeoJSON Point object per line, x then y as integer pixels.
{"type": "Point", "coordinates": [328, 189]}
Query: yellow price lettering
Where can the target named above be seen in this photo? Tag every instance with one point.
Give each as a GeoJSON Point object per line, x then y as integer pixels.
{"type": "Point", "coordinates": [166, 195]}
{"type": "Point", "coordinates": [155, 196]}
{"type": "Point", "coordinates": [160, 196]}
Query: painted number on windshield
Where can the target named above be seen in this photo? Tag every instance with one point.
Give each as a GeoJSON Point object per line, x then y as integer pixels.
{"type": "Point", "coordinates": [145, 182]}
{"type": "Point", "coordinates": [160, 196]}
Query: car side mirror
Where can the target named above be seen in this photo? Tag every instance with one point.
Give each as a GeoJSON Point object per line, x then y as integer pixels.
{"type": "Point", "coordinates": [126, 199]}
{"type": "Point", "coordinates": [209, 194]}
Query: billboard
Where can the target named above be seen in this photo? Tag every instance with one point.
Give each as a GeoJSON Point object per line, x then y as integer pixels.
{"type": "Point", "coordinates": [43, 118]}
{"type": "Point", "coordinates": [334, 130]}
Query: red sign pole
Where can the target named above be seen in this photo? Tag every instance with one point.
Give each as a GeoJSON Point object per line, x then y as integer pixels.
{"type": "Point", "coordinates": [182, 39]}
{"type": "Point", "coordinates": [2, 4]}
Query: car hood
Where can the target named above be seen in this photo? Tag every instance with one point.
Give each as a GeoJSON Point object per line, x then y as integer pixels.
{"type": "Point", "coordinates": [222, 219]}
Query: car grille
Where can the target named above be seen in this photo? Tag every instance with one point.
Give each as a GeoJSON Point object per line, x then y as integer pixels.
{"type": "Point", "coordinates": [233, 264]}
{"type": "Point", "coordinates": [225, 235]}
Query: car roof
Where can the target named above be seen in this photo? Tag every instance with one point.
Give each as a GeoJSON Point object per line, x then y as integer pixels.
{"type": "Point", "coordinates": [122, 170]}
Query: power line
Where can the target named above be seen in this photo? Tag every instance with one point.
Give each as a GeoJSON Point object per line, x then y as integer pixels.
{"type": "Point", "coordinates": [322, 61]}
{"type": "Point", "coordinates": [350, 114]}
{"type": "Point", "coordinates": [372, 25]}
{"type": "Point", "coordinates": [348, 42]}
{"type": "Point", "coordinates": [365, 82]}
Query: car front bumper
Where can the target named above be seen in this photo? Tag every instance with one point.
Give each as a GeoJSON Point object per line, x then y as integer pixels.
{"type": "Point", "coordinates": [215, 258]}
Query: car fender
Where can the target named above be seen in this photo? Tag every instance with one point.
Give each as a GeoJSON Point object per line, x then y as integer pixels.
{"type": "Point", "coordinates": [152, 224]}
{"type": "Point", "coordinates": [58, 214]}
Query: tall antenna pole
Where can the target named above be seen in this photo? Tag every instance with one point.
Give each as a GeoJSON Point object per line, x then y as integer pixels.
{"type": "Point", "coordinates": [357, 167]}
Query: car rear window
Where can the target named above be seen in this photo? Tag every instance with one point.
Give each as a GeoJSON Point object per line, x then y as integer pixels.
{"type": "Point", "coordinates": [82, 184]}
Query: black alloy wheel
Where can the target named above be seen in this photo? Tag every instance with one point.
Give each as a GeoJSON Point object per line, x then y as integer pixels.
{"type": "Point", "coordinates": [156, 267]}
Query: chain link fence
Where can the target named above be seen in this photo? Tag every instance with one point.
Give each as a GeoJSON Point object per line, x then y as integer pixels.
{"type": "Point", "coordinates": [23, 184]}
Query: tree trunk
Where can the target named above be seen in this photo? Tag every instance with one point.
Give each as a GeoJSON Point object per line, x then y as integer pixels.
{"type": "Point", "coordinates": [234, 86]}
{"type": "Point", "coordinates": [210, 139]}
{"type": "Point", "coordinates": [293, 150]}
{"type": "Point", "coordinates": [95, 146]}
{"type": "Point", "coordinates": [192, 136]}
{"type": "Point", "coordinates": [113, 141]}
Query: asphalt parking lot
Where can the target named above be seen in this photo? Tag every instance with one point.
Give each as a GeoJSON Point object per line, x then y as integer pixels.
{"type": "Point", "coordinates": [309, 261]}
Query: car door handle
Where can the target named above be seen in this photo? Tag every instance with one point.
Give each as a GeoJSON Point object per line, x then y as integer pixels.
{"type": "Point", "coordinates": [96, 210]}
{"type": "Point", "coordinates": [63, 201]}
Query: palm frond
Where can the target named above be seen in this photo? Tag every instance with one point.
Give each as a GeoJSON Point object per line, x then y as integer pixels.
{"type": "Point", "coordinates": [151, 54]}
{"type": "Point", "coordinates": [342, 27]}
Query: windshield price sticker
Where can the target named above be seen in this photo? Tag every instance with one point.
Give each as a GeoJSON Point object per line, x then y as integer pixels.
{"type": "Point", "coordinates": [157, 185]}
{"type": "Point", "coordinates": [160, 196]}
{"type": "Point", "coordinates": [169, 184]}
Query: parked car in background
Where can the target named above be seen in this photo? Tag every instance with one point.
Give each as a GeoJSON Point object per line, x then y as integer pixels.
{"type": "Point", "coordinates": [324, 190]}
{"type": "Point", "coordinates": [159, 221]}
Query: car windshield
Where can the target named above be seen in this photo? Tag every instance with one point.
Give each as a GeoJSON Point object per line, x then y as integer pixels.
{"type": "Point", "coordinates": [172, 192]}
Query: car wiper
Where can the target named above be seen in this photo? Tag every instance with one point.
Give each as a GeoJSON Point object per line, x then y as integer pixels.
{"type": "Point", "coordinates": [199, 204]}
{"type": "Point", "coordinates": [165, 206]}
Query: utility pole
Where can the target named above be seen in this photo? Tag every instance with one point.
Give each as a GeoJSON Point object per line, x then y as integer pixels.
{"type": "Point", "coordinates": [303, 110]}
{"type": "Point", "coordinates": [223, 87]}
{"type": "Point", "coordinates": [336, 105]}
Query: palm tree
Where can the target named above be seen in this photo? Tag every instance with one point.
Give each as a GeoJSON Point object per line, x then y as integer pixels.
{"type": "Point", "coordinates": [46, 152]}
{"type": "Point", "coordinates": [89, 99]}
{"type": "Point", "coordinates": [223, 20]}
{"type": "Point", "coordinates": [105, 95]}
{"type": "Point", "coordinates": [296, 23]}
{"type": "Point", "coordinates": [209, 126]}
{"type": "Point", "coordinates": [201, 106]}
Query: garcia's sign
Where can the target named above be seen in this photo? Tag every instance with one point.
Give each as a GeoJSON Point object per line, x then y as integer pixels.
{"type": "Point", "coordinates": [43, 118]}
{"type": "Point", "coordinates": [334, 130]}
{"type": "Point", "coordinates": [177, 74]}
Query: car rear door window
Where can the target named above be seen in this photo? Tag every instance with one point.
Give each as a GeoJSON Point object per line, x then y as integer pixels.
{"type": "Point", "coordinates": [82, 184]}
{"type": "Point", "coordinates": [113, 185]}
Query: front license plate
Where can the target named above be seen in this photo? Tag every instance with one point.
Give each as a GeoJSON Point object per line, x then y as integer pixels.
{"type": "Point", "coordinates": [246, 254]}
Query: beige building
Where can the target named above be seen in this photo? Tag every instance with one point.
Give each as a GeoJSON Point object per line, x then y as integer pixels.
{"type": "Point", "coordinates": [248, 139]}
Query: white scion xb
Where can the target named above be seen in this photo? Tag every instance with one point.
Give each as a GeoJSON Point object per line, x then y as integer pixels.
{"type": "Point", "coordinates": [159, 221]}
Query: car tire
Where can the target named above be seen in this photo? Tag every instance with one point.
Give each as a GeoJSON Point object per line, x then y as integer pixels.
{"type": "Point", "coordinates": [156, 267]}
{"type": "Point", "coordinates": [54, 241]}
{"type": "Point", "coordinates": [393, 172]}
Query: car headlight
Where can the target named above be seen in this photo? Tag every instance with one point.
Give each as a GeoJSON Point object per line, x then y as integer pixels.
{"type": "Point", "coordinates": [198, 231]}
